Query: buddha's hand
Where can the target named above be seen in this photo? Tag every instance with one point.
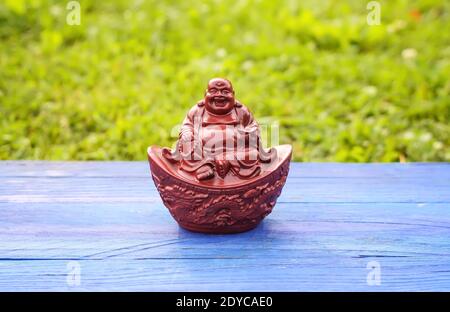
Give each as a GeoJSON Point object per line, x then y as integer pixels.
{"type": "Point", "coordinates": [222, 167]}
{"type": "Point", "coordinates": [204, 173]}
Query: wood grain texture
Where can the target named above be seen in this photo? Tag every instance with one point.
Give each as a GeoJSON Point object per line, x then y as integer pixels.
{"type": "Point", "coordinates": [329, 223]}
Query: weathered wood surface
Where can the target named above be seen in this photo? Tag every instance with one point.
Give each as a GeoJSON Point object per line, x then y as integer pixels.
{"type": "Point", "coordinates": [330, 222]}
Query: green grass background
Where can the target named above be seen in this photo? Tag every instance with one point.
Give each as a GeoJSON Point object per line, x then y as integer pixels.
{"type": "Point", "coordinates": [340, 89]}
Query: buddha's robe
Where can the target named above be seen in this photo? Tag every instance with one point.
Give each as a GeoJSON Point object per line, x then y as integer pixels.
{"type": "Point", "coordinates": [222, 142]}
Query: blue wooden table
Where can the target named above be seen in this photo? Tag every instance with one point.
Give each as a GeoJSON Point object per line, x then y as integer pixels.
{"type": "Point", "coordinates": [71, 226]}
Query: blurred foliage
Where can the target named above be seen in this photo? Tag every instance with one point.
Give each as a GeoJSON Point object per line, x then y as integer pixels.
{"type": "Point", "coordinates": [340, 89]}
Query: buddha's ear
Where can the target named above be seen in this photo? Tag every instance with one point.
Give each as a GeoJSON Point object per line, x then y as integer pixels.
{"type": "Point", "coordinates": [237, 103]}
{"type": "Point", "coordinates": [201, 103]}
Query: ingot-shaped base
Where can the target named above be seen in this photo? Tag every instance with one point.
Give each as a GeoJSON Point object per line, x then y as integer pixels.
{"type": "Point", "coordinates": [219, 205]}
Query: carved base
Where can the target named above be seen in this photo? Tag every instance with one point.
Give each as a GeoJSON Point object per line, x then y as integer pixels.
{"type": "Point", "coordinates": [219, 210]}
{"type": "Point", "coordinates": [218, 230]}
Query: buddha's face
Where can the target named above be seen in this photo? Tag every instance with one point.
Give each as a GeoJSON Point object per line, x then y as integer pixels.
{"type": "Point", "coordinates": [219, 97]}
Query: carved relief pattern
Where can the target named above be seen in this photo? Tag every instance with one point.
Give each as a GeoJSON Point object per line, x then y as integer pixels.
{"type": "Point", "coordinates": [198, 206]}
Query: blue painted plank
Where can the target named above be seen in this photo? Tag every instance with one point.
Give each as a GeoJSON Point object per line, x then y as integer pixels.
{"type": "Point", "coordinates": [326, 228]}
{"type": "Point", "coordinates": [141, 169]}
{"type": "Point", "coordinates": [113, 189]}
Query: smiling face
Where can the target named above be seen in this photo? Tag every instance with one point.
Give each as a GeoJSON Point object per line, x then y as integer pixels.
{"type": "Point", "coordinates": [219, 97]}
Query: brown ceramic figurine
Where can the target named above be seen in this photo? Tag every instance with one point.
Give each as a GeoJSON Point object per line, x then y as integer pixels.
{"type": "Point", "coordinates": [219, 178]}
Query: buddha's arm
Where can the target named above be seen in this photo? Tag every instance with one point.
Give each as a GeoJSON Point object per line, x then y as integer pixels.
{"type": "Point", "coordinates": [248, 122]}
{"type": "Point", "coordinates": [264, 156]}
{"type": "Point", "coordinates": [189, 142]}
{"type": "Point", "coordinates": [185, 138]}
{"type": "Point", "coordinates": [187, 129]}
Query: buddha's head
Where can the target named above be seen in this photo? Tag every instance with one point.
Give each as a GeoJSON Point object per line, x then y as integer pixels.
{"type": "Point", "coordinates": [219, 96]}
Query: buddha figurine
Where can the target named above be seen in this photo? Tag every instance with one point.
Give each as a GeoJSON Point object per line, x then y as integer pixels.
{"type": "Point", "coordinates": [219, 135]}
{"type": "Point", "coordinates": [219, 178]}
